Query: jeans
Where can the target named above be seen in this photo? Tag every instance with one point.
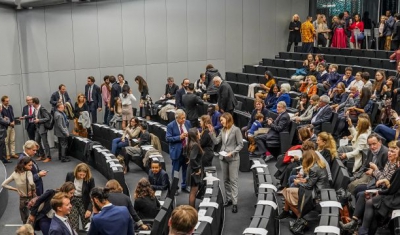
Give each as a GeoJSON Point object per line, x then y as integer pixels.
{"type": "Point", "coordinates": [106, 113]}
{"type": "Point", "coordinates": [117, 145]}
{"type": "Point", "coordinates": [110, 116]}
{"type": "Point", "coordinates": [386, 132]}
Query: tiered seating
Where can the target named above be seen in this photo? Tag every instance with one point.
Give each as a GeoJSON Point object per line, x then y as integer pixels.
{"type": "Point", "coordinates": [263, 221]}
{"type": "Point", "coordinates": [211, 211]}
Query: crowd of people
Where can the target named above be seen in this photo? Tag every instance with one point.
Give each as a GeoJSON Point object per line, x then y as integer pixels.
{"type": "Point", "coordinates": [344, 31]}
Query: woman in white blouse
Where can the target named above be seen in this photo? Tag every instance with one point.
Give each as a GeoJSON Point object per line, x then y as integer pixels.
{"type": "Point", "coordinates": [127, 99]}
{"type": "Point", "coordinates": [25, 186]}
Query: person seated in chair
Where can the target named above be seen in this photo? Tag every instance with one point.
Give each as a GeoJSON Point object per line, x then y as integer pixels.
{"type": "Point", "coordinates": [158, 177]}
{"type": "Point", "coordinates": [135, 152]}
{"type": "Point", "coordinates": [214, 115]}
{"type": "Point", "coordinates": [170, 90]}
{"type": "Point", "coordinates": [323, 113]}
{"type": "Point", "coordinates": [271, 141]}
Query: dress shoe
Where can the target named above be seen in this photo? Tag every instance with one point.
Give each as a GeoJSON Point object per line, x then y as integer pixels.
{"type": "Point", "coordinates": [65, 159]}
{"type": "Point", "coordinates": [268, 158]}
{"type": "Point", "coordinates": [185, 190]}
{"type": "Point", "coordinates": [283, 215]}
{"type": "Point", "coordinates": [228, 203]}
{"type": "Point", "coordinates": [8, 157]}
{"type": "Point", "coordinates": [234, 209]}
{"type": "Point", "coordinates": [15, 156]}
{"type": "Point", "coordinates": [350, 226]}
{"type": "Point", "coordinates": [6, 161]}
{"type": "Point", "coordinates": [47, 160]}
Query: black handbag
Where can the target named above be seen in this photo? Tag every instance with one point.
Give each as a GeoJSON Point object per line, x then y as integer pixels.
{"type": "Point", "coordinates": [201, 190]}
{"type": "Point", "coordinates": [298, 226]}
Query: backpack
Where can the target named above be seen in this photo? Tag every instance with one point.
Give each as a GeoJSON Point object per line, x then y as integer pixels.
{"type": "Point", "coordinates": [49, 124]}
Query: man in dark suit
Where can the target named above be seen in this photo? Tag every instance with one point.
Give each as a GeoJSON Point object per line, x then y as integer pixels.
{"type": "Point", "coordinates": [170, 91]}
{"type": "Point", "coordinates": [271, 141]}
{"type": "Point", "coordinates": [180, 93]}
{"type": "Point", "coordinates": [323, 113]}
{"type": "Point", "coordinates": [190, 102]}
{"type": "Point", "coordinates": [93, 98]}
{"type": "Point", "coordinates": [226, 97]}
{"type": "Point", "coordinates": [40, 116]}
{"type": "Point", "coordinates": [176, 136]}
{"type": "Point", "coordinates": [377, 154]}
{"type": "Point", "coordinates": [4, 123]}
{"type": "Point", "coordinates": [61, 132]}
{"type": "Point", "coordinates": [113, 220]}
{"type": "Point", "coordinates": [30, 148]}
{"type": "Point", "coordinates": [60, 224]}
{"type": "Point", "coordinates": [396, 33]}
{"type": "Point", "coordinates": [116, 89]}
{"type": "Point", "coordinates": [28, 110]}
{"type": "Point", "coordinates": [60, 96]}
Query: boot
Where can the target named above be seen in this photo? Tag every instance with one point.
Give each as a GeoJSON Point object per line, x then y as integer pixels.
{"type": "Point", "coordinates": [350, 226]}
{"type": "Point", "coordinates": [299, 226]}
{"type": "Point", "coordinates": [283, 215]}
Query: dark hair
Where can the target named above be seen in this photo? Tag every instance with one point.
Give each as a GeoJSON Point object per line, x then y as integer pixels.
{"type": "Point", "coordinates": [121, 75]}
{"type": "Point", "coordinates": [35, 100]}
{"type": "Point", "coordinates": [100, 193]}
{"type": "Point", "coordinates": [66, 187]}
{"type": "Point", "coordinates": [112, 79]}
{"type": "Point", "coordinates": [60, 86]}
{"type": "Point", "coordinates": [125, 90]}
{"type": "Point", "coordinates": [374, 135]}
{"type": "Point", "coordinates": [91, 78]}
{"type": "Point", "coordinates": [106, 77]}
{"type": "Point", "coordinates": [136, 121]}
{"type": "Point", "coordinates": [142, 83]}
{"type": "Point", "coordinates": [4, 98]}
{"type": "Point", "coordinates": [271, 89]}
{"type": "Point", "coordinates": [20, 167]}
{"type": "Point", "coordinates": [259, 115]}
{"type": "Point", "coordinates": [156, 161]}
{"type": "Point", "coordinates": [348, 69]}
{"type": "Point", "coordinates": [269, 74]}
{"type": "Point", "coordinates": [209, 66]}
{"type": "Point", "coordinates": [322, 64]}
{"type": "Point", "coordinates": [191, 86]}
{"type": "Point", "coordinates": [193, 139]}
{"type": "Point", "coordinates": [202, 74]}
{"type": "Point", "coordinates": [365, 96]}
{"type": "Point", "coordinates": [143, 125]}
{"type": "Point", "coordinates": [183, 81]}
{"type": "Point", "coordinates": [365, 76]}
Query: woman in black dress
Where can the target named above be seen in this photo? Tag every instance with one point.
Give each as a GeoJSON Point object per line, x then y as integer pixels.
{"type": "Point", "coordinates": [195, 154]}
{"type": "Point", "coordinates": [144, 97]}
{"type": "Point", "coordinates": [146, 204]}
{"type": "Point", "coordinates": [294, 35]}
{"type": "Point", "coordinates": [206, 142]}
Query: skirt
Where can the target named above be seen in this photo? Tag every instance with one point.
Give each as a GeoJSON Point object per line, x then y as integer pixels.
{"type": "Point", "coordinates": [339, 38]}
{"type": "Point", "coordinates": [127, 112]}
{"type": "Point", "coordinates": [291, 195]}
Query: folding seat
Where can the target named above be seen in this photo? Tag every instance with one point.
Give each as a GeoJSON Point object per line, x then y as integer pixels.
{"type": "Point", "coordinates": [242, 77]}
{"type": "Point", "coordinates": [340, 60]}
{"type": "Point", "coordinates": [249, 69]}
{"type": "Point", "coordinates": [298, 64]}
{"type": "Point", "coordinates": [249, 104]}
{"type": "Point", "coordinates": [285, 55]}
{"type": "Point", "coordinates": [297, 56]}
{"type": "Point", "coordinates": [290, 64]}
{"type": "Point", "coordinates": [335, 51]}
{"type": "Point", "coordinates": [376, 63]}
{"type": "Point", "coordinates": [386, 64]}
{"type": "Point", "coordinates": [279, 63]}
{"type": "Point", "coordinates": [390, 73]}
{"type": "Point", "coordinates": [230, 76]}
{"type": "Point", "coordinates": [324, 50]}
{"type": "Point", "coordinates": [381, 54]}
{"type": "Point", "coordinates": [369, 54]}
{"type": "Point", "coordinates": [260, 69]}
{"type": "Point", "coordinates": [365, 62]}
{"type": "Point", "coordinates": [330, 58]}
{"type": "Point", "coordinates": [267, 62]}
{"type": "Point", "coordinates": [234, 87]}
{"type": "Point", "coordinates": [357, 53]}
{"type": "Point", "coordinates": [282, 72]}
{"type": "Point", "coordinates": [357, 69]}
{"type": "Point", "coordinates": [351, 60]}
{"type": "Point", "coordinates": [345, 52]}
{"type": "Point", "coordinates": [242, 89]}
{"type": "Point", "coordinates": [253, 78]}
{"type": "Point", "coordinates": [273, 70]}
{"type": "Point", "coordinates": [371, 72]}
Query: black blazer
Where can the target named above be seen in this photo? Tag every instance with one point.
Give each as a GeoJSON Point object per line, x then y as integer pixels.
{"type": "Point", "coordinates": [396, 31]}
{"type": "Point", "coordinates": [55, 97]}
{"type": "Point", "coordinates": [116, 89]}
{"type": "Point", "coordinates": [178, 98]}
{"type": "Point", "coordinates": [144, 92]}
{"type": "Point", "coordinates": [45, 198]}
{"type": "Point", "coordinates": [35, 173]}
{"type": "Point", "coordinates": [382, 157]}
{"type": "Point", "coordinates": [147, 207]}
{"type": "Point", "coordinates": [171, 90]}
{"type": "Point", "coordinates": [120, 199]}
{"type": "Point", "coordinates": [96, 95]}
{"type": "Point", "coordinates": [323, 116]}
{"type": "Point", "coordinates": [25, 111]}
{"type": "Point", "coordinates": [280, 124]}
{"type": "Point", "coordinates": [86, 188]}
{"type": "Point", "coordinates": [190, 102]}
{"type": "Point", "coordinates": [226, 97]}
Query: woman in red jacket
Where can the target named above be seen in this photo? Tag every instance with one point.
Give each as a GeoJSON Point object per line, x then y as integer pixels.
{"type": "Point", "coordinates": [358, 24]}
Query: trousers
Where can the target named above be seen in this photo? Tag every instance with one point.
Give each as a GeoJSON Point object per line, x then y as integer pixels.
{"type": "Point", "coordinates": [230, 176]}
{"type": "Point", "coordinates": [41, 139]}
{"type": "Point", "coordinates": [10, 141]}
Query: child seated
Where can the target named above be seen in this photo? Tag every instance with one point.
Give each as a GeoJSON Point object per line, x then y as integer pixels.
{"type": "Point", "coordinates": [158, 178]}
{"type": "Point", "coordinates": [252, 132]}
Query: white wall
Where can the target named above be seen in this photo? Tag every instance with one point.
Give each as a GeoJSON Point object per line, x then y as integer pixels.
{"type": "Point", "coordinates": [44, 47]}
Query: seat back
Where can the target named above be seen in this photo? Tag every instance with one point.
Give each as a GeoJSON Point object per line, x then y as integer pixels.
{"type": "Point", "coordinates": [174, 185]}
{"type": "Point", "coordinates": [239, 105]}
{"type": "Point", "coordinates": [159, 223]}
{"type": "Point", "coordinates": [329, 127]}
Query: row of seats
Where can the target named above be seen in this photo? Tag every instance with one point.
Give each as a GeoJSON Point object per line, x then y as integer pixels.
{"type": "Point", "coordinates": [350, 52]}
{"type": "Point", "coordinates": [343, 60]}
{"type": "Point", "coordinates": [263, 221]}
{"type": "Point", "coordinates": [211, 209]}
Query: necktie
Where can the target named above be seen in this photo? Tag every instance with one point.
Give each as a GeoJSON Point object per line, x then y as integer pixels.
{"type": "Point", "coordinates": [90, 93]}
{"type": "Point", "coordinates": [70, 227]}
{"type": "Point", "coordinates": [30, 113]}
{"type": "Point", "coordinates": [184, 139]}
{"type": "Point", "coordinates": [63, 98]}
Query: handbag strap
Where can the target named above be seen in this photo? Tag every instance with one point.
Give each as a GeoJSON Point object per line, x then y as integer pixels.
{"type": "Point", "coordinates": [26, 182]}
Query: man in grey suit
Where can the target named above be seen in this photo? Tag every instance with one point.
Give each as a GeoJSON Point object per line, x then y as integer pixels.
{"type": "Point", "coordinates": [323, 114]}
{"type": "Point", "coordinates": [61, 131]}
{"type": "Point", "coordinates": [93, 98]}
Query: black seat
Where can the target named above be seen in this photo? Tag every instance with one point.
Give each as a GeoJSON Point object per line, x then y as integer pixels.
{"type": "Point", "coordinates": [357, 53]}
{"type": "Point", "coordinates": [340, 60]}
{"type": "Point", "coordinates": [287, 137]}
{"type": "Point", "coordinates": [285, 55]}
{"type": "Point", "coordinates": [345, 51]}
{"type": "Point", "coordinates": [249, 69]}
{"type": "Point", "coordinates": [174, 185]}
{"type": "Point", "coordinates": [381, 54]}
{"type": "Point", "coordinates": [370, 54]}
{"type": "Point", "coordinates": [229, 76]}
{"type": "Point", "coordinates": [376, 63]}
{"type": "Point", "coordinates": [386, 64]}
{"type": "Point", "coordinates": [234, 87]}
{"type": "Point", "coordinates": [290, 64]}
{"type": "Point", "coordinates": [364, 62]}
{"type": "Point", "coordinates": [242, 77]}
{"type": "Point", "coordinates": [279, 63]}
{"type": "Point", "coordinates": [260, 70]}
{"type": "Point", "coordinates": [352, 60]}
{"type": "Point", "coordinates": [254, 78]}
{"type": "Point", "coordinates": [330, 126]}
{"type": "Point", "coordinates": [267, 62]}
{"type": "Point", "coordinates": [297, 56]}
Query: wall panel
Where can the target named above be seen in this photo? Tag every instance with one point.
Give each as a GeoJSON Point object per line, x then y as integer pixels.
{"type": "Point", "coordinates": [194, 68]}
{"type": "Point", "coordinates": [282, 18]}
{"type": "Point", "coordinates": [156, 31]}
{"type": "Point", "coordinates": [251, 31]}
{"type": "Point", "coordinates": [110, 34]}
{"type": "Point", "coordinates": [234, 36]}
{"type": "Point", "coordinates": [9, 43]}
{"type": "Point", "coordinates": [178, 71]}
{"type": "Point", "coordinates": [68, 79]}
{"type": "Point", "coordinates": [59, 42]}
{"type": "Point", "coordinates": [86, 40]}
{"type": "Point", "coordinates": [215, 29]}
{"type": "Point", "coordinates": [133, 32]}
{"type": "Point", "coordinates": [267, 29]}
{"type": "Point", "coordinates": [177, 35]}
{"type": "Point", "coordinates": [156, 75]}
{"type": "Point", "coordinates": [32, 34]}
{"type": "Point", "coordinates": [197, 29]}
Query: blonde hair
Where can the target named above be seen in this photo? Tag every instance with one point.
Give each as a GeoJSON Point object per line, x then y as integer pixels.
{"type": "Point", "coordinates": [330, 143]}
{"type": "Point", "coordinates": [309, 159]}
{"type": "Point", "coordinates": [362, 126]}
{"type": "Point", "coordinates": [83, 167]}
{"type": "Point", "coordinates": [114, 186]}
{"type": "Point", "coordinates": [295, 15]}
